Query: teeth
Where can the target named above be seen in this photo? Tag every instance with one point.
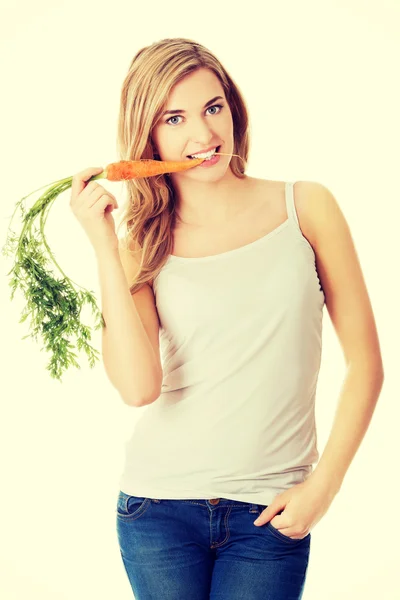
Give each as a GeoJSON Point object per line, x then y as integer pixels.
{"type": "Point", "coordinates": [206, 155]}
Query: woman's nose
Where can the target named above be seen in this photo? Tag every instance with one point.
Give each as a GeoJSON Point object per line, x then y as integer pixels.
{"type": "Point", "coordinates": [203, 135]}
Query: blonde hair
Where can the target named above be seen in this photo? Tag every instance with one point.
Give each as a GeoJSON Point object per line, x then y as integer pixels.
{"type": "Point", "coordinates": [150, 217]}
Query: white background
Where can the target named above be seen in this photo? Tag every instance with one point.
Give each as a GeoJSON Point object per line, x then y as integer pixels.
{"type": "Point", "coordinates": [321, 82]}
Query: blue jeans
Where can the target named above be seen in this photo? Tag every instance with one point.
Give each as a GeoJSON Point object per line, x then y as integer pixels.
{"type": "Point", "coordinates": [207, 550]}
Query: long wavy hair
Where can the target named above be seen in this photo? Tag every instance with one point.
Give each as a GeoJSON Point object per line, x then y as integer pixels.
{"type": "Point", "coordinates": [150, 216]}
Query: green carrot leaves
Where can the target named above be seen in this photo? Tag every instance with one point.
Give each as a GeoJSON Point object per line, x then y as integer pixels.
{"type": "Point", "coordinates": [52, 305]}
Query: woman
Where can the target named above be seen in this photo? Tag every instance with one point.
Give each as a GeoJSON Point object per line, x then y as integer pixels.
{"type": "Point", "coordinates": [222, 268]}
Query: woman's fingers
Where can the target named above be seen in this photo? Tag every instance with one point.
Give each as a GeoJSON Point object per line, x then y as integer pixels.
{"type": "Point", "coordinates": [87, 194]}
{"type": "Point", "coordinates": [79, 181]}
{"type": "Point", "coordinates": [93, 193]}
{"type": "Point", "coordinates": [89, 203]}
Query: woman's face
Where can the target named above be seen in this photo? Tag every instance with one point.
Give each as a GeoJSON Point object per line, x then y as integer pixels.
{"type": "Point", "coordinates": [195, 126]}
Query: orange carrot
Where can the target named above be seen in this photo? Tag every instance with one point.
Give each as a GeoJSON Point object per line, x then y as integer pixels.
{"type": "Point", "coordinates": [133, 169]}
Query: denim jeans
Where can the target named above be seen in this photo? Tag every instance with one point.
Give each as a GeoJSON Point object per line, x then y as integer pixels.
{"type": "Point", "coordinates": [207, 550]}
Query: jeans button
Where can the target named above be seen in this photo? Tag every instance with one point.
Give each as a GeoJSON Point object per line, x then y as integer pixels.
{"type": "Point", "coordinates": [214, 501]}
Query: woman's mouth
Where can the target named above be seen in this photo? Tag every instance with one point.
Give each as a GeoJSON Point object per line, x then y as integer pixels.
{"type": "Point", "coordinates": [210, 157]}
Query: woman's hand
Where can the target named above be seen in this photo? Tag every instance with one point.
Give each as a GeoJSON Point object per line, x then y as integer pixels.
{"type": "Point", "coordinates": [301, 507]}
{"type": "Point", "coordinates": [92, 205]}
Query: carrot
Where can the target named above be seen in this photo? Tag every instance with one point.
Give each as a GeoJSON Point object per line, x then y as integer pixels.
{"type": "Point", "coordinates": [133, 169]}
{"type": "Point", "coordinates": [54, 305]}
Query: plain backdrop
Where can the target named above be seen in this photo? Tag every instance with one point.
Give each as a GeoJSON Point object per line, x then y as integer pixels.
{"type": "Point", "coordinates": [321, 82]}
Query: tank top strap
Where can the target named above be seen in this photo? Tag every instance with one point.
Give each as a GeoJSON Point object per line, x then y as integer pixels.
{"type": "Point", "coordinates": [290, 206]}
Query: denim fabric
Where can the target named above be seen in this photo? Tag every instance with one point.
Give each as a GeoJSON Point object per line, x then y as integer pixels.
{"type": "Point", "coordinates": [207, 550]}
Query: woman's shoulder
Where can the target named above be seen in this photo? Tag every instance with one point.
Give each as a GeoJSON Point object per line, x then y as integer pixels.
{"type": "Point", "coordinates": [275, 192]}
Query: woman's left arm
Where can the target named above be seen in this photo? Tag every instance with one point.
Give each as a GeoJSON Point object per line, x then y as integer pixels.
{"type": "Point", "coordinates": [350, 310]}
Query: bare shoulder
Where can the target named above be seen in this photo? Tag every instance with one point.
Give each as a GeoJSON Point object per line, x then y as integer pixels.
{"type": "Point", "coordinates": [275, 192]}
{"type": "Point", "coordinates": [314, 203]}
{"type": "Point", "coordinates": [304, 197]}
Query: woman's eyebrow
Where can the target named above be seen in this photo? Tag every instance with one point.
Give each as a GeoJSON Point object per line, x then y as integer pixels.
{"type": "Point", "coordinates": [180, 110]}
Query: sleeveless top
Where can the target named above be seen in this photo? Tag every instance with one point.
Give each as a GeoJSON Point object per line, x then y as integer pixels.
{"type": "Point", "coordinates": [240, 344]}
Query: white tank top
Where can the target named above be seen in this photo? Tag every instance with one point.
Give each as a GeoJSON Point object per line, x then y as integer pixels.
{"type": "Point", "coordinates": [240, 344]}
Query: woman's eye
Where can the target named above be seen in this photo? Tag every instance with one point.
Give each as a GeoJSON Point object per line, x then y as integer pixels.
{"type": "Point", "coordinates": [178, 116]}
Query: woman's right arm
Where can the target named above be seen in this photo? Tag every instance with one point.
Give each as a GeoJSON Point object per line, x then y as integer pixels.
{"type": "Point", "coordinates": [130, 338]}
{"type": "Point", "coordinates": [131, 360]}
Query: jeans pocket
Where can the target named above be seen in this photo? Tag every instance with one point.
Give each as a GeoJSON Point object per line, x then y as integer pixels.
{"type": "Point", "coordinates": [131, 507]}
{"type": "Point", "coordinates": [281, 536]}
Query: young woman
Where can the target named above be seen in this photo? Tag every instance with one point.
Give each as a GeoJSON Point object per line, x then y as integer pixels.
{"type": "Point", "coordinates": [213, 304]}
